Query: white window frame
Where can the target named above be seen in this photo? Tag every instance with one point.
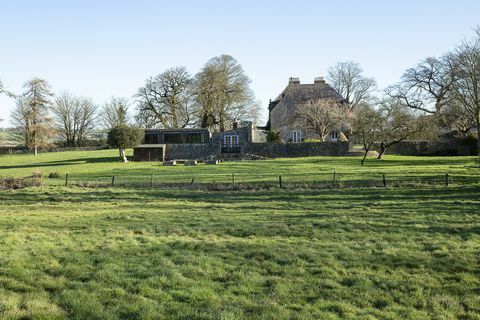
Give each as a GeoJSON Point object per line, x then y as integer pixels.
{"type": "Point", "coordinates": [231, 140]}
{"type": "Point", "coordinates": [334, 136]}
{"type": "Point", "coordinates": [297, 136]}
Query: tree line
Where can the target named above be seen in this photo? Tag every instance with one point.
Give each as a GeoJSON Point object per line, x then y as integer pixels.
{"type": "Point", "coordinates": [218, 95]}
{"type": "Point", "coordinates": [439, 95]}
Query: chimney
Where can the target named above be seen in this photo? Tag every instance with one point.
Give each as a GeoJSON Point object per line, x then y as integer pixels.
{"type": "Point", "coordinates": [319, 80]}
{"type": "Point", "coordinates": [294, 81]}
{"type": "Point", "coordinates": [235, 124]}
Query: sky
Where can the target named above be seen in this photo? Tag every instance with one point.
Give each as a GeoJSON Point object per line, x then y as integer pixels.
{"type": "Point", "coordinates": [105, 48]}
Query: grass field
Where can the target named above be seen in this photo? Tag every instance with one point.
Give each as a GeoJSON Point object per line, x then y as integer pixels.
{"type": "Point", "coordinates": [100, 166]}
{"type": "Point", "coordinates": [124, 253]}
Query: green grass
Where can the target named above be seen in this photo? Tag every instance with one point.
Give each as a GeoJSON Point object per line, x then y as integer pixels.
{"type": "Point", "coordinates": [99, 166]}
{"type": "Point", "coordinates": [329, 254]}
{"type": "Point", "coordinates": [125, 253]}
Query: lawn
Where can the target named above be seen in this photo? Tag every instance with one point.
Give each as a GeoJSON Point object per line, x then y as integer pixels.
{"type": "Point", "coordinates": [100, 166]}
{"type": "Point", "coordinates": [125, 253]}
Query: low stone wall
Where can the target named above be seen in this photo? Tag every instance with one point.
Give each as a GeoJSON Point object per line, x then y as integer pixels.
{"type": "Point", "coordinates": [454, 147]}
{"type": "Point", "coordinates": [191, 151]}
{"type": "Point", "coordinates": [289, 150]}
{"type": "Point", "coordinates": [204, 151]}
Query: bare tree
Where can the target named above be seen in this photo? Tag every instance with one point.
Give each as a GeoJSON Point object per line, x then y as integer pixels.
{"type": "Point", "coordinates": [223, 93]}
{"type": "Point", "coordinates": [426, 86]}
{"type": "Point", "coordinates": [167, 99]}
{"type": "Point", "coordinates": [114, 113]}
{"type": "Point", "coordinates": [74, 118]}
{"type": "Point", "coordinates": [321, 116]}
{"type": "Point", "coordinates": [466, 88]}
{"type": "Point", "coordinates": [348, 80]}
{"type": "Point", "coordinates": [31, 114]}
{"type": "Point", "coordinates": [5, 91]}
{"type": "Point", "coordinates": [398, 123]}
{"type": "Point", "coordinates": [365, 123]}
{"type": "Point", "coordinates": [457, 118]}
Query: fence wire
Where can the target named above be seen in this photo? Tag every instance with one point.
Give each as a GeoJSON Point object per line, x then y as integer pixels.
{"type": "Point", "coordinates": [295, 180]}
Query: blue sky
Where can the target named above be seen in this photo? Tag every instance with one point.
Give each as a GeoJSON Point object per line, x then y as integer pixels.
{"type": "Point", "coordinates": [108, 48]}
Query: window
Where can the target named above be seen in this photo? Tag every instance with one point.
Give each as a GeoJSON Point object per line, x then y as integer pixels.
{"type": "Point", "coordinates": [297, 137]}
{"type": "Point", "coordinates": [172, 137]}
{"type": "Point", "coordinates": [151, 138]}
{"type": "Point", "coordinates": [334, 136]}
{"type": "Point", "coordinates": [195, 137]}
{"type": "Point", "coordinates": [231, 141]}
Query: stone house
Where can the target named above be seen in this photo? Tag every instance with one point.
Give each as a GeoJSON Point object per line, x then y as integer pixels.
{"type": "Point", "coordinates": [283, 109]}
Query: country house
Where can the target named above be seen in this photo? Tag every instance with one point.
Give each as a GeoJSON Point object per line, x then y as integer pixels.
{"type": "Point", "coordinates": [283, 110]}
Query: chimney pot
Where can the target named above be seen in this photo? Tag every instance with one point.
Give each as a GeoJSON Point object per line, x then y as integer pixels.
{"type": "Point", "coordinates": [294, 80]}
{"type": "Point", "coordinates": [319, 80]}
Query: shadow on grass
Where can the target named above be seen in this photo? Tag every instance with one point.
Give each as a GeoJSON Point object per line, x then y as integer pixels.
{"type": "Point", "coordinates": [68, 162]}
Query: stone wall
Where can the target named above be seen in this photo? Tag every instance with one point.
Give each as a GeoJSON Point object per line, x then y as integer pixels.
{"type": "Point", "coordinates": [279, 150]}
{"type": "Point", "coordinates": [204, 151]}
{"type": "Point", "coordinates": [191, 151]}
{"type": "Point", "coordinates": [454, 147]}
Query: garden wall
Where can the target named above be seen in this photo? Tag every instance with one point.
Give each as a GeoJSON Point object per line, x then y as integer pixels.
{"type": "Point", "coordinates": [279, 150]}
{"type": "Point", "coordinates": [453, 147]}
{"type": "Point", "coordinates": [191, 151]}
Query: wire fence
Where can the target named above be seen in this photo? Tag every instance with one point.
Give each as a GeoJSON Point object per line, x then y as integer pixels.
{"type": "Point", "coordinates": [222, 181]}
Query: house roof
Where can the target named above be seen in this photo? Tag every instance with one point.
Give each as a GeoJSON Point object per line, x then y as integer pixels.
{"type": "Point", "coordinates": [300, 93]}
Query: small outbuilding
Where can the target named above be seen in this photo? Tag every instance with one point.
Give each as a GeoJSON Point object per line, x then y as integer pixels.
{"type": "Point", "coordinates": [149, 152]}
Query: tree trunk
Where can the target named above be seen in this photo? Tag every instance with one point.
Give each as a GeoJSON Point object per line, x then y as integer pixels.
{"type": "Point", "coordinates": [223, 121]}
{"type": "Point", "coordinates": [478, 139]}
{"type": "Point", "coordinates": [123, 155]}
{"type": "Point", "coordinates": [204, 121]}
{"type": "Point", "coordinates": [383, 149]}
{"type": "Point", "coordinates": [365, 156]}
{"type": "Point", "coordinates": [35, 146]}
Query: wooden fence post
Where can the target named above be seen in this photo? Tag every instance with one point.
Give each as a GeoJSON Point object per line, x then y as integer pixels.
{"type": "Point", "coordinates": [233, 179]}
{"type": "Point", "coordinates": [446, 180]}
{"type": "Point", "coordinates": [280, 182]}
{"type": "Point", "coordinates": [384, 181]}
{"type": "Point", "coordinates": [113, 180]}
{"type": "Point", "coordinates": [66, 179]}
{"type": "Point", "coordinates": [191, 182]}
{"type": "Point", "coordinates": [333, 181]}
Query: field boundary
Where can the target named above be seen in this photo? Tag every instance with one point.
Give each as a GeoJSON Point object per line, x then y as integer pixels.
{"type": "Point", "coordinates": [334, 180]}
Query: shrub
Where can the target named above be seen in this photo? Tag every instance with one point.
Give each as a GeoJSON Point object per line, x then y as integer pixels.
{"type": "Point", "coordinates": [274, 137]}
{"type": "Point", "coordinates": [471, 142]}
{"type": "Point", "coordinates": [19, 183]}
{"type": "Point", "coordinates": [54, 175]}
